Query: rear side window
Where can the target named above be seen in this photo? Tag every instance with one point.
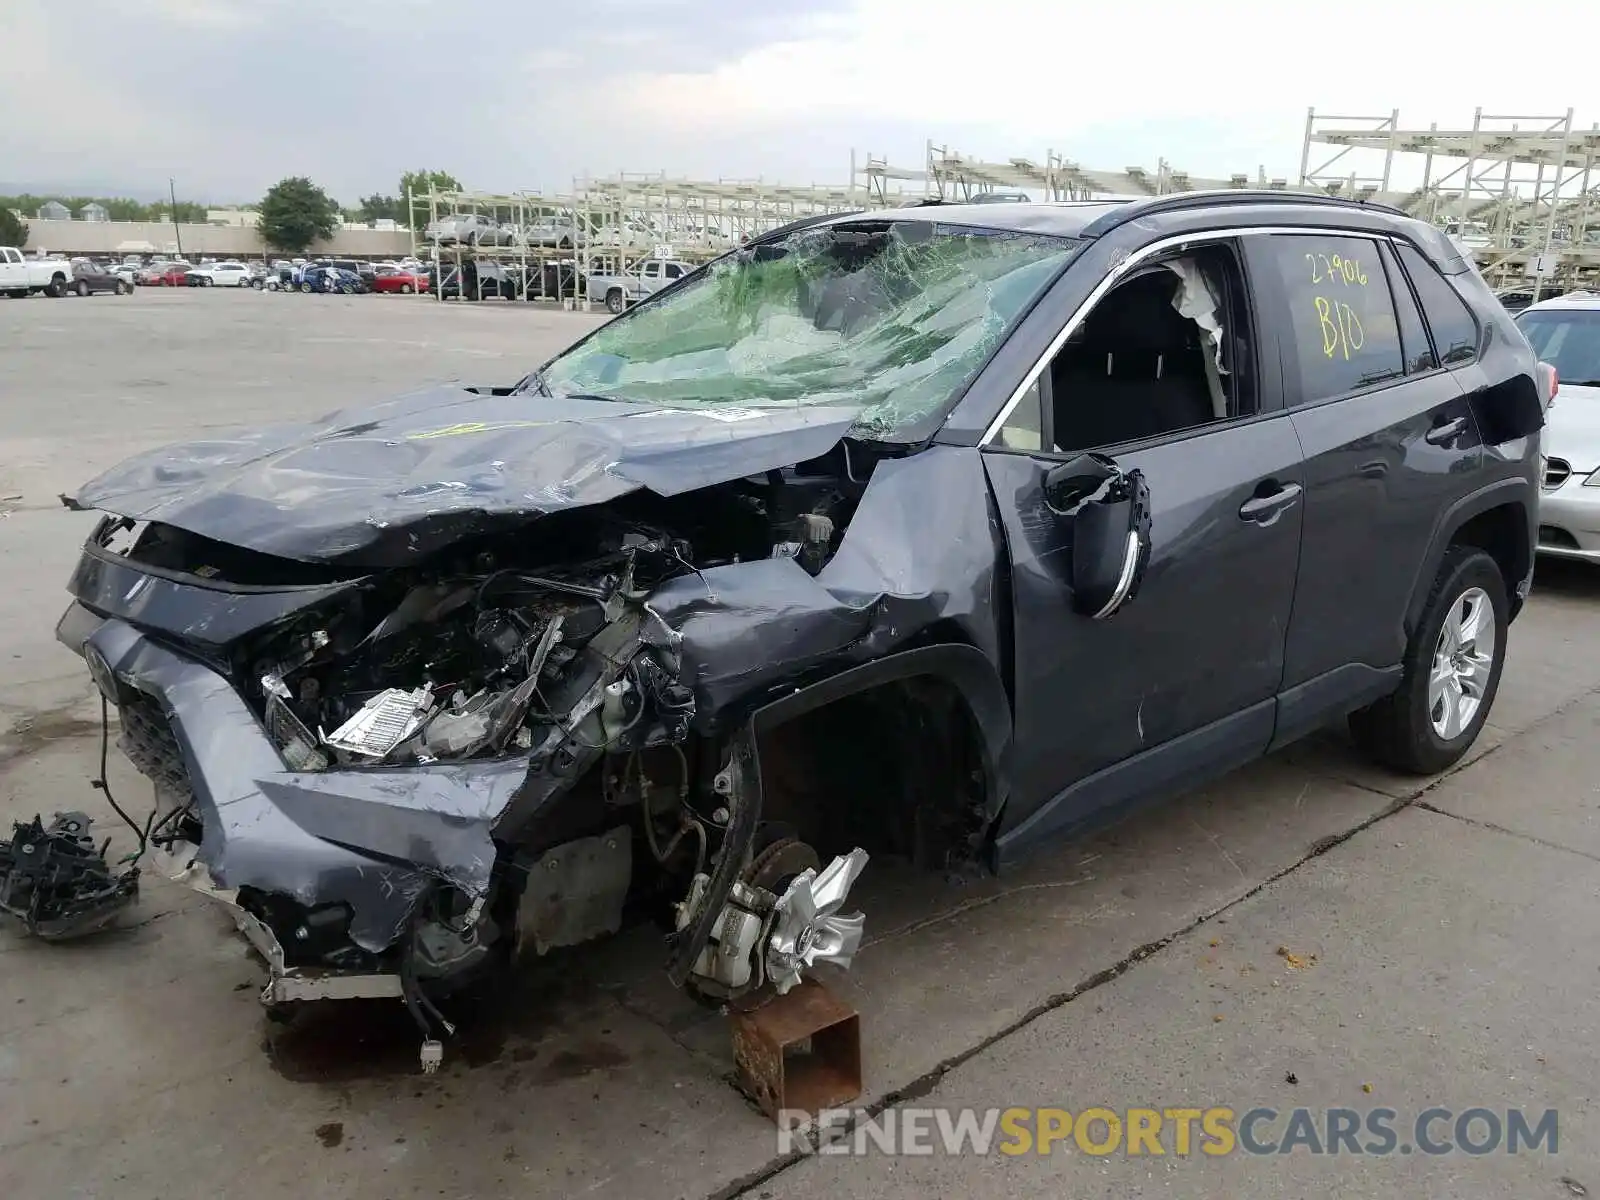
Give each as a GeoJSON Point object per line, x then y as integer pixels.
{"type": "Point", "coordinates": [1413, 333]}
{"type": "Point", "coordinates": [1455, 332]}
{"type": "Point", "coordinates": [1339, 319]}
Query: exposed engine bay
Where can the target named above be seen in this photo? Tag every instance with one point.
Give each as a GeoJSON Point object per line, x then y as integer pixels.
{"type": "Point", "coordinates": [465, 658]}
{"type": "Point", "coordinates": [538, 658]}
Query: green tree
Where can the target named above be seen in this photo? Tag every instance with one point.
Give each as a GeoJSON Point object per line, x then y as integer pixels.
{"type": "Point", "coordinates": [189, 213]}
{"type": "Point", "coordinates": [295, 213]}
{"type": "Point", "coordinates": [381, 208]}
{"type": "Point", "coordinates": [416, 184]}
{"type": "Point", "coordinates": [122, 209]}
{"type": "Point", "coordinates": [13, 230]}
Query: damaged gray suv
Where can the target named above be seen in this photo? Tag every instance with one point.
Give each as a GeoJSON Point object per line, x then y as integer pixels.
{"type": "Point", "coordinates": [938, 533]}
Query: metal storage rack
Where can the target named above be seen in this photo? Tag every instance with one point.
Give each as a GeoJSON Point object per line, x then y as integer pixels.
{"type": "Point", "coordinates": [639, 215]}
{"type": "Point", "coordinates": [1519, 192]}
{"type": "Point", "coordinates": [616, 222]}
{"type": "Point", "coordinates": [954, 177]}
{"type": "Point", "coordinates": [509, 262]}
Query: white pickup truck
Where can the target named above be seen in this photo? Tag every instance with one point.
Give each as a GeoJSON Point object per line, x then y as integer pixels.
{"type": "Point", "coordinates": [648, 278]}
{"type": "Point", "coordinates": [20, 276]}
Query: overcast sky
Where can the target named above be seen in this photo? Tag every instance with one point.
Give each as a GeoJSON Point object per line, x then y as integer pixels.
{"type": "Point", "coordinates": [230, 95]}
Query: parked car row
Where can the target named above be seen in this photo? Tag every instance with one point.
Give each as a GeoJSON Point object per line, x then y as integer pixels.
{"type": "Point", "coordinates": [566, 233]}
{"type": "Point", "coordinates": [343, 277]}
{"type": "Point", "coordinates": [478, 229]}
{"type": "Point", "coordinates": [486, 279]}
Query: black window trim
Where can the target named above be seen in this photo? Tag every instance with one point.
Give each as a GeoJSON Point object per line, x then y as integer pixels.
{"type": "Point", "coordinates": [1477, 346]}
{"type": "Point", "coordinates": [1416, 304]}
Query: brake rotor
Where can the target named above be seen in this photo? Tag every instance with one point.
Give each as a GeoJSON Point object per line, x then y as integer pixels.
{"type": "Point", "coordinates": [780, 862]}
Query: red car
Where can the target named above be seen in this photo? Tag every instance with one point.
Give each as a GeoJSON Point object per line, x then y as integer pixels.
{"type": "Point", "coordinates": [388, 279]}
{"type": "Point", "coordinates": [173, 276]}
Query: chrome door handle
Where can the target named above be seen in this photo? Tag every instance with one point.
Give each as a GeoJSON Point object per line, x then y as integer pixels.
{"type": "Point", "coordinates": [1264, 509]}
{"type": "Point", "coordinates": [1447, 433]}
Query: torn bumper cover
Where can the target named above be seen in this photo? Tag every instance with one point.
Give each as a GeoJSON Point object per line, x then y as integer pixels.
{"type": "Point", "coordinates": [374, 839]}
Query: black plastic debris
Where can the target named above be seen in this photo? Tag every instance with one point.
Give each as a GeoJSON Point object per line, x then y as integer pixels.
{"type": "Point", "coordinates": [57, 882]}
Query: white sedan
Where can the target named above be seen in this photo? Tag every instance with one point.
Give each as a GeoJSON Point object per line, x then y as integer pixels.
{"type": "Point", "coordinates": [1565, 333]}
{"type": "Point", "coordinates": [222, 274]}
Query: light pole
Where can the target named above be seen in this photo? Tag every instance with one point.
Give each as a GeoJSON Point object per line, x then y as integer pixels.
{"type": "Point", "coordinates": [177, 233]}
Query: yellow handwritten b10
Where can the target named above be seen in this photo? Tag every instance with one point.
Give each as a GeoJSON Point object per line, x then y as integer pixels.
{"type": "Point", "coordinates": [1341, 328]}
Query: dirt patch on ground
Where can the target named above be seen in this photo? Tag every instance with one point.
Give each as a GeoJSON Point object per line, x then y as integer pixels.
{"type": "Point", "coordinates": [37, 731]}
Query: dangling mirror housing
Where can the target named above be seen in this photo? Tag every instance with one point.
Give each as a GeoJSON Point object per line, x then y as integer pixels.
{"type": "Point", "coordinates": [1107, 514]}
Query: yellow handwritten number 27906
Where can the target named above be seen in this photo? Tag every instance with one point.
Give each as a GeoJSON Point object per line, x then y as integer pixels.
{"type": "Point", "coordinates": [1333, 269]}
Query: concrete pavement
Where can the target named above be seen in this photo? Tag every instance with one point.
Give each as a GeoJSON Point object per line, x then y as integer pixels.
{"type": "Point", "coordinates": [1446, 955]}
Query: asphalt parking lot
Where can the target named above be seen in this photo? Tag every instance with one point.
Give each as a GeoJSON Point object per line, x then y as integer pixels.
{"type": "Point", "coordinates": [1380, 940]}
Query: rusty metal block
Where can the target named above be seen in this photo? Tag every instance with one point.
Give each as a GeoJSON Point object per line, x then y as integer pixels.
{"type": "Point", "coordinates": [799, 1051]}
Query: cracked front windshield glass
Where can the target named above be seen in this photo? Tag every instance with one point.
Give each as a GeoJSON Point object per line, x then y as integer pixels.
{"type": "Point", "coordinates": [891, 319]}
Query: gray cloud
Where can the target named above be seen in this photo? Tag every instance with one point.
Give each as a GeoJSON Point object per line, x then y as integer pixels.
{"type": "Point", "coordinates": [230, 95]}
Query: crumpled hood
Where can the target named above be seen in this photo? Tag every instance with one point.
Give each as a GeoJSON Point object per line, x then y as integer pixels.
{"type": "Point", "coordinates": [373, 488]}
{"type": "Point", "coordinates": [1572, 428]}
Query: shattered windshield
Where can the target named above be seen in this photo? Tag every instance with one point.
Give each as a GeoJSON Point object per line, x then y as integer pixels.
{"type": "Point", "coordinates": [890, 318]}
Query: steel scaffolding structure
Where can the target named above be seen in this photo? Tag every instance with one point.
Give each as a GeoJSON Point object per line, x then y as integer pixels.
{"type": "Point", "coordinates": [549, 245]}
{"type": "Point", "coordinates": [631, 217]}
{"type": "Point", "coordinates": [1519, 192]}
{"type": "Point", "coordinates": [952, 176]}
{"type": "Point", "coordinates": [521, 245]}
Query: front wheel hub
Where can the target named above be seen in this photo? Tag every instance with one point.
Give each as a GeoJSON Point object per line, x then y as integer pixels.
{"type": "Point", "coordinates": [809, 925]}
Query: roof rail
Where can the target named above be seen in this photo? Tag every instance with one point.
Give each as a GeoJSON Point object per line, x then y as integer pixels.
{"type": "Point", "coordinates": [1179, 201]}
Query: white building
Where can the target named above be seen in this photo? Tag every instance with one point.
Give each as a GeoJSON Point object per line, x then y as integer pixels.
{"type": "Point", "coordinates": [233, 218]}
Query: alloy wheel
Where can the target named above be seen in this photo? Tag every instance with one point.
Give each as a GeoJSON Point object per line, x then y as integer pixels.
{"type": "Point", "coordinates": [1463, 661]}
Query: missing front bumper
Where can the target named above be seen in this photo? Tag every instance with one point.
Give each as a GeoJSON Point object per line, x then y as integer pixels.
{"type": "Point", "coordinates": [285, 984]}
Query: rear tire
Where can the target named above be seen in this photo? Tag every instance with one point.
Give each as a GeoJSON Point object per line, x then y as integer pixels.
{"type": "Point", "coordinates": [1425, 727]}
{"type": "Point", "coordinates": [82, 287]}
{"type": "Point", "coordinates": [614, 301]}
{"type": "Point", "coordinates": [406, 289]}
{"type": "Point", "coordinates": [57, 287]}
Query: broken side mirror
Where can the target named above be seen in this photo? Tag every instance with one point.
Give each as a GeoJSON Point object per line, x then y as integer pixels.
{"type": "Point", "coordinates": [1106, 511]}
